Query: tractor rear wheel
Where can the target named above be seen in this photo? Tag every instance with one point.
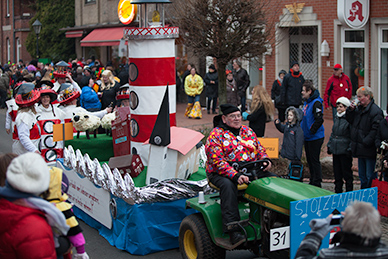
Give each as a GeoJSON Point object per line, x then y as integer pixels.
{"type": "Point", "coordinates": [195, 241]}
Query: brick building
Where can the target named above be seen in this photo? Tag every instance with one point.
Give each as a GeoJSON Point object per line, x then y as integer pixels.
{"type": "Point", "coordinates": [15, 16]}
{"type": "Point", "coordinates": [362, 50]}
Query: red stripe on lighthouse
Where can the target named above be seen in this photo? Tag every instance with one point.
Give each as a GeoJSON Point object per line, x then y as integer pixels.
{"type": "Point", "coordinates": [147, 124]}
{"type": "Point", "coordinates": [153, 71]}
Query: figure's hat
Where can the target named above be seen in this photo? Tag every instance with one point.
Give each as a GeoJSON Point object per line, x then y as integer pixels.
{"type": "Point", "coordinates": [67, 93]}
{"type": "Point", "coordinates": [27, 95]}
{"type": "Point", "coordinates": [123, 92]}
{"type": "Point", "coordinates": [62, 64]}
{"type": "Point", "coordinates": [45, 87]}
{"type": "Point", "coordinates": [161, 135]}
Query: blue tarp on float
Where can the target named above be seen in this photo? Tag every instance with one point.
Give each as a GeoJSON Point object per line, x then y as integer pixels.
{"type": "Point", "coordinates": [141, 229]}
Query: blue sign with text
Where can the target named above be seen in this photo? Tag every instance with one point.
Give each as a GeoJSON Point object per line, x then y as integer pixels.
{"type": "Point", "coordinates": [303, 211]}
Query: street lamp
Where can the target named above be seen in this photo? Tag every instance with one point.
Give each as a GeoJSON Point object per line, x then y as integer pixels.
{"type": "Point", "coordinates": [37, 27]}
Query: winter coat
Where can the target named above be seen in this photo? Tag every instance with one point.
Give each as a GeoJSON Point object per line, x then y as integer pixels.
{"type": "Point", "coordinates": [242, 81]}
{"type": "Point", "coordinates": [211, 89]}
{"type": "Point", "coordinates": [24, 233]}
{"type": "Point", "coordinates": [223, 146]}
{"type": "Point", "coordinates": [350, 246]}
{"type": "Point", "coordinates": [292, 146]}
{"type": "Point", "coordinates": [382, 132]}
{"type": "Point", "coordinates": [231, 92]}
{"type": "Point", "coordinates": [193, 85]}
{"type": "Point", "coordinates": [312, 122]}
{"type": "Point", "coordinates": [290, 93]}
{"type": "Point", "coordinates": [337, 87]}
{"type": "Point", "coordinates": [257, 121]}
{"type": "Point", "coordinates": [339, 142]}
{"type": "Point", "coordinates": [364, 125]}
{"type": "Point", "coordinates": [4, 82]}
{"type": "Point", "coordinates": [275, 93]}
{"type": "Point", "coordinates": [89, 99]}
{"type": "Point", "coordinates": [109, 96]}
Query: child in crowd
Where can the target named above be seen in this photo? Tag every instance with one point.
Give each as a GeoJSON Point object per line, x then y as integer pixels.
{"type": "Point", "coordinates": [293, 138]}
{"type": "Point", "coordinates": [58, 188]}
{"type": "Point", "coordinates": [339, 146]}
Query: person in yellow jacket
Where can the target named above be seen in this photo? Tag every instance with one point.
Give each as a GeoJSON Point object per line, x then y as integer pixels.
{"type": "Point", "coordinates": [193, 89]}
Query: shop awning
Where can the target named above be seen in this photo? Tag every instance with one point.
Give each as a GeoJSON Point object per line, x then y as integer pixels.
{"type": "Point", "coordinates": [103, 37]}
{"type": "Point", "coordinates": [74, 34]}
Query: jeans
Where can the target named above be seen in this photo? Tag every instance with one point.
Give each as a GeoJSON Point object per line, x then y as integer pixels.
{"type": "Point", "coordinates": [342, 165]}
{"type": "Point", "coordinates": [243, 103]}
{"type": "Point", "coordinates": [209, 100]}
{"type": "Point", "coordinates": [366, 168]}
{"type": "Point", "coordinates": [313, 151]}
{"type": "Point", "coordinates": [193, 99]}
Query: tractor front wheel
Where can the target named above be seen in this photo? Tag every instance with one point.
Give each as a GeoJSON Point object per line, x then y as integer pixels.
{"type": "Point", "coordinates": [195, 241]}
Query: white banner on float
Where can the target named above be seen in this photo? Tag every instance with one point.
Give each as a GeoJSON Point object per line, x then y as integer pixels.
{"type": "Point", "coordinates": [89, 198]}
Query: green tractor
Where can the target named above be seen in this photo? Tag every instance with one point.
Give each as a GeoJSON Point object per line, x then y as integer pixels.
{"type": "Point", "coordinates": [264, 206]}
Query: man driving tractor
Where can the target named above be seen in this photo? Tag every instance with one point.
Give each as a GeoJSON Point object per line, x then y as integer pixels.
{"type": "Point", "coordinates": [231, 142]}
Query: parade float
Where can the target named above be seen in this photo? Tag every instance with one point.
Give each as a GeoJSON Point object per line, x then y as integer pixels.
{"type": "Point", "coordinates": [131, 185]}
{"type": "Point", "coordinates": [137, 184]}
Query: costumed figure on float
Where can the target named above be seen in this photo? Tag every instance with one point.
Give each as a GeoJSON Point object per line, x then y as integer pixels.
{"type": "Point", "coordinates": [26, 124]}
{"type": "Point", "coordinates": [48, 115]}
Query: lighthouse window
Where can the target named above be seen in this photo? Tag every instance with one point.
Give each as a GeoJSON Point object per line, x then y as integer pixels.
{"type": "Point", "coordinates": [133, 72]}
{"type": "Point", "coordinates": [133, 100]}
{"type": "Point", "coordinates": [134, 128]}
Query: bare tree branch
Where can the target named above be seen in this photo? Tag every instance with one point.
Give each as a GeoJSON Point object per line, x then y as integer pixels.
{"type": "Point", "coordinates": [226, 29]}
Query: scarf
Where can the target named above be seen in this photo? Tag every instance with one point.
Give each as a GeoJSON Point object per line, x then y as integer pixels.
{"type": "Point", "coordinates": [54, 216]}
{"type": "Point", "coordinates": [339, 115]}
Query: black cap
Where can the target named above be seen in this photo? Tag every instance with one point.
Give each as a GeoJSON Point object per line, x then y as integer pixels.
{"type": "Point", "coordinates": [228, 108]}
{"type": "Point", "coordinates": [212, 67]}
{"type": "Point", "coordinates": [293, 63]}
{"type": "Point", "coordinates": [282, 72]}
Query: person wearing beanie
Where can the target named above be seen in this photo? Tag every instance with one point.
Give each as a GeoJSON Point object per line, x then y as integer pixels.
{"type": "Point", "coordinates": [229, 142]}
{"type": "Point", "coordinates": [313, 130]}
{"type": "Point", "coordinates": [275, 95]}
{"type": "Point", "coordinates": [290, 93]}
{"type": "Point", "coordinates": [242, 81]}
{"type": "Point", "coordinates": [25, 231]}
{"type": "Point", "coordinates": [339, 146]}
{"type": "Point", "coordinates": [364, 119]}
{"type": "Point", "coordinates": [211, 81]}
{"type": "Point", "coordinates": [338, 85]}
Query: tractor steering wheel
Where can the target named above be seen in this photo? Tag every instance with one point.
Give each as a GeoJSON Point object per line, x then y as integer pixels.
{"type": "Point", "coordinates": [252, 169]}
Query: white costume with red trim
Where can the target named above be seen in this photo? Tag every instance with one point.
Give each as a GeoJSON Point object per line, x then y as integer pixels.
{"type": "Point", "coordinates": [10, 116]}
{"type": "Point", "coordinates": [28, 133]}
{"type": "Point", "coordinates": [47, 117]}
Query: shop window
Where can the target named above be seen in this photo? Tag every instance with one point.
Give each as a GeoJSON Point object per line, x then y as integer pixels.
{"type": "Point", "coordinates": [383, 71]}
{"type": "Point", "coordinates": [354, 36]}
{"type": "Point", "coordinates": [353, 56]}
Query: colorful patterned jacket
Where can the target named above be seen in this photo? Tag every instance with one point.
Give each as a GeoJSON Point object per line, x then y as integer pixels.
{"type": "Point", "coordinates": [223, 146]}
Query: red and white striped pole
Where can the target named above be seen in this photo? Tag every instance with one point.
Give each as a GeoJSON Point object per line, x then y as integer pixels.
{"type": "Point", "coordinates": [151, 68]}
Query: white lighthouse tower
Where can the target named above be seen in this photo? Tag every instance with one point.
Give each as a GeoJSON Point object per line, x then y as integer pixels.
{"type": "Point", "coordinates": [151, 69]}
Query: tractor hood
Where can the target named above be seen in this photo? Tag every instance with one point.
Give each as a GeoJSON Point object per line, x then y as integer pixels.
{"type": "Point", "coordinates": [277, 193]}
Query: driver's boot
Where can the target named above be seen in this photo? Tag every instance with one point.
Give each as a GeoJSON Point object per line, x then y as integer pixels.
{"type": "Point", "coordinates": [236, 237]}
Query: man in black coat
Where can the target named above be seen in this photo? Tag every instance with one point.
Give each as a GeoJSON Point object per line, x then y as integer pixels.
{"type": "Point", "coordinates": [290, 93]}
{"type": "Point", "coordinates": [364, 120]}
{"type": "Point", "coordinates": [242, 82]}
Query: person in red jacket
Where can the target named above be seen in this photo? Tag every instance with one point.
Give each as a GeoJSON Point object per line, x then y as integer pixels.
{"type": "Point", "coordinates": [338, 85]}
{"type": "Point", "coordinates": [24, 229]}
